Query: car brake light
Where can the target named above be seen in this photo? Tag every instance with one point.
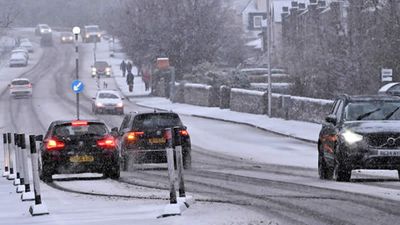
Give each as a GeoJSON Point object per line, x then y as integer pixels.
{"type": "Point", "coordinates": [184, 133]}
{"type": "Point", "coordinates": [54, 144]}
{"type": "Point", "coordinates": [78, 123]}
{"type": "Point", "coordinates": [29, 85]}
{"type": "Point", "coordinates": [108, 142]}
{"type": "Point", "coordinates": [133, 136]}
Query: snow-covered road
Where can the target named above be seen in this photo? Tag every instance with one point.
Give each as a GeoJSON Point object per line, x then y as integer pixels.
{"type": "Point", "coordinates": [240, 175]}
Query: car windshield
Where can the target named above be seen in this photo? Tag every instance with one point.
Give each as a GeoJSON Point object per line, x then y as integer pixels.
{"type": "Point", "coordinates": [101, 64]}
{"type": "Point", "coordinates": [20, 82]}
{"type": "Point", "coordinates": [374, 110]}
{"type": "Point", "coordinates": [92, 29]}
{"type": "Point", "coordinates": [65, 130]}
{"type": "Point", "coordinates": [156, 121]}
{"type": "Point", "coordinates": [108, 95]}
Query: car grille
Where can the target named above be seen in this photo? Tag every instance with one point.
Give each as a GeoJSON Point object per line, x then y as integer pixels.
{"type": "Point", "coordinates": [384, 140]}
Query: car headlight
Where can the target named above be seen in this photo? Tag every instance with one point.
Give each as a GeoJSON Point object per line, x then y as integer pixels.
{"type": "Point", "coordinates": [71, 38]}
{"type": "Point", "coordinates": [120, 104]}
{"type": "Point", "coordinates": [351, 137]}
{"type": "Point", "coordinates": [99, 104]}
{"type": "Point", "coordinates": [94, 70]}
{"type": "Point", "coordinates": [108, 69]}
{"type": "Point", "coordinates": [98, 35]}
{"type": "Point", "coordinates": [42, 30]}
{"type": "Point", "coordinates": [63, 38]}
{"type": "Point", "coordinates": [49, 30]}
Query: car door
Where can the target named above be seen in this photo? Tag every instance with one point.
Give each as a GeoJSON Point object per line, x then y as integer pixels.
{"type": "Point", "coordinates": [329, 132]}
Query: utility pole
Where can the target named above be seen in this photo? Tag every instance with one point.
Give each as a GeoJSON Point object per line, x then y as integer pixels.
{"type": "Point", "coordinates": [269, 46]}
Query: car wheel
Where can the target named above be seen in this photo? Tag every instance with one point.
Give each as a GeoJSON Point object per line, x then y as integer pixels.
{"type": "Point", "coordinates": [113, 173]}
{"type": "Point", "coordinates": [45, 173]}
{"type": "Point", "coordinates": [340, 172]}
{"type": "Point", "coordinates": [187, 161]}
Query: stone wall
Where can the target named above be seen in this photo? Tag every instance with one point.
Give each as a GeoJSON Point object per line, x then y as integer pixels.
{"type": "Point", "coordinates": [242, 100]}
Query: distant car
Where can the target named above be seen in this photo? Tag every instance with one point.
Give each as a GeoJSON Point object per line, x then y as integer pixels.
{"type": "Point", "coordinates": [91, 33]}
{"type": "Point", "coordinates": [108, 101]}
{"type": "Point", "coordinates": [67, 37]}
{"type": "Point", "coordinates": [361, 132]}
{"type": "Point", "coordinates": [28, 45]}
{"type": "Point", "coordinates": [24, 51]}
{"type": "Point", "coordinates": [18, 59]}
{"type": "Point", "coordinates": [142, 138]}
{"type": "Point", "coordinates": [101, 68]}
{"type": "Point", "coordinates": [24, 40]}
{"type": "Point", "coordinates": [20, 87]}
{"type": "Point", "coordinates": [78, 147]}
{"type": "Point", "coordinates": [42, 29]}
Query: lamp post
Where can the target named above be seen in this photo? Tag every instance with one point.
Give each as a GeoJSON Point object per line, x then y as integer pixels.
{"type": "Point", "coordinates": [77, 31]}
{"type": "Point", "coordinates": [269, 46]}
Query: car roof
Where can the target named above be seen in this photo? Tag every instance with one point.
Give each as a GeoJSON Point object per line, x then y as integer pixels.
{"type": "Point", "coordinates": [108, 91]}
{"type": "Point", "coordinates": [43, 25]}
{"type": "Point", "coordinates": [154, 112]}
{"type": "Point", "coordinates": [360, 98]}
{"type": "Point", "coordinates": [16, 79]}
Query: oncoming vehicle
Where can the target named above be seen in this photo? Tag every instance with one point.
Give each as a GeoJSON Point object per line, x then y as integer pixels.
{"type": "Point", "coordinates": [66, 37]}
{"type": "Point", "coordinates": [42, 29]}
{"type": "Point", "coordinates": [362, 132]}
{"type": "Point", "coordinates": [78, 146]}
{"type": "Point", "coordinates": [101, 68]}
{"type": "Point", "coordinates": [142, 138]}
{"type": "Point", "coordinates": [20, 87]}
{"type": "Point", "coordinates": [108, 101]}
{"type": "Point", "coordinates": [91, 33]}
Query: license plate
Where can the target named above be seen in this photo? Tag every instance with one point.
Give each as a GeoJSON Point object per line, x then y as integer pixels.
{"type": "Point", "coordinates": [389, 152]}
{"type": "Point", "coordinates": [157, 140]}
{"type": "Point", "coordinates": [81, 158]}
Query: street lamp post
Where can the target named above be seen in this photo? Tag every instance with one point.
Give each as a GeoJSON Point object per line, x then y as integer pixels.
{"type": "Point", "coordinates": [77, 31]}
{"type": "Point", "coordinates": [269, 46]}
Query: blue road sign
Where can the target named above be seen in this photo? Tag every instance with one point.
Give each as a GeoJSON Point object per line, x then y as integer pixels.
{"type": "Point", "coordinates": [77, 86]}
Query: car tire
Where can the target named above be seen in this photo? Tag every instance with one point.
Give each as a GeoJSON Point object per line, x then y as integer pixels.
{"type": "Point", "coordinates": [45, 173]}
{"type": "Point", "coordinates": [324, 172]}
{"type": "Point", "coordinates": [340, 172]}
{"type": "Point", "coordinates": [113, 173]}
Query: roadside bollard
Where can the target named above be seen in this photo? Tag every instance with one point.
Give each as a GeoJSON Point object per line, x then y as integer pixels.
{"type": "Point", "coordinates": [21, 186]}
{"type": "Point", "coordinates": [11, 153]}
{"type": "Point", "coordinates": [187, 200]}
{"type": "Point", "coordinates": [174, 207]}
{"type": "Point", "coordinates": [39, 208]}
{"type": "Point", "coordinates": [17, 180]}
{"type": "Point", "coordinates": [27, 195]}
{"type": "Point", "coordinates": [6, 158]}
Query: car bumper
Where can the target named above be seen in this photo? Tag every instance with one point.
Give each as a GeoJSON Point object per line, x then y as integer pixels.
{"type": "Point", "coordinates": [110, 109]}
{"type": "Point", "coordinates": [61, 164]}
{"type": "Point", "coordinates": [21, 93]}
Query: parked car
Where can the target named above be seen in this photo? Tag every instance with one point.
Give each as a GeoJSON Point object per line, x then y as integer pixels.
{"type": "Point", "coordinates": [21, 50]}
{"type": "Point", "coordinates": [142, 138]}
{"type": "Point", "coordinates": [108, 101]}
{"type": "Point", "coordinates": [361, 132]}
{"type": "Point", "coordinates": [18, 59]}
{"type": "Point", "coordinates": [91, 33]}
{"type": "Point", "coordinates": [20, 87]}
{"type": "Point", "coordinates": [28, 45]}
{"type": "Point", "coordinates": [67, 37]}
{"type": "Point", "coordinates": [78, 146]}
{"type": "Point", "coordinates": [42, 29]}
{"type": "Point", "coordinates": [101, 68]}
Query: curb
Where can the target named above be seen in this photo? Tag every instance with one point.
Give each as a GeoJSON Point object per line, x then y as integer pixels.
{"type": "Point", "coordinates": [236, 122]}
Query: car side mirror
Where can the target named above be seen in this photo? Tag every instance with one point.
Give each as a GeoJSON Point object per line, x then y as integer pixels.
{"type": "Point", "coordinates": [39, 138]}
{"type": "Point", "coordinates": [331, 119]}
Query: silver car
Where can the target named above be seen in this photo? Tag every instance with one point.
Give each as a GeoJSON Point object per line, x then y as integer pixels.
{"type": "Point", "coordinates": [20, 87]}
{"type": "Point", "coordinates": [18, 59]}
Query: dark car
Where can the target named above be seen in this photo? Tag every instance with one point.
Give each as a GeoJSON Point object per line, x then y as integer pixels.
{"type": "Point", "coordinates": [101, 68]}
{"type": "Point", "coordinates": [362, 132]}
{"type": "Point", "coordinates": [66, 37]}
{"type": "Point", "coordinates": [79, 147]}
{"type": "Point", "coordinates": [142, 138]}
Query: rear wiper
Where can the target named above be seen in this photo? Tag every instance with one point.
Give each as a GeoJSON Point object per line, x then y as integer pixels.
{"type": "Point", "coordinates": [391, 113]}
{"type": "Point", "coordinates": [360, 117]}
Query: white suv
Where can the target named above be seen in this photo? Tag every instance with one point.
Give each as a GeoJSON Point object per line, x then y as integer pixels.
{"type": "Point", "coordinates": [108, 101]}
{"type": "Point", "coordinates": [20, 87]}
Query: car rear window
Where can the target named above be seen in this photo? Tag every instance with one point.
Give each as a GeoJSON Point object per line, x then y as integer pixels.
{"type": "Point", "coordinates": [156, 121]}
{"type": "Point", "coordinates": [108, 95]}
{"type": "Point", "coordinates": [65, 130]}
{"type": "Point", "coordinates": [20, 82]}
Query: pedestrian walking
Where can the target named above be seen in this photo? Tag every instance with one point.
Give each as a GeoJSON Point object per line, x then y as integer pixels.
{"type": "Point", "coordinates": [122, 66]}
{"type": "Point", "coordinates": [129, 81]}
{"type": "Point", "coordinates": [146, 77]}
{"type": "Point", "coordinates": [129, 67]}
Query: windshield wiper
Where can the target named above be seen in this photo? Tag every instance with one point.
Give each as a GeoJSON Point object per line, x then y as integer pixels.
{"type": "Point", "coordinates": [391, 113]}
{"type": "Point", "coordinates": [360, 117]}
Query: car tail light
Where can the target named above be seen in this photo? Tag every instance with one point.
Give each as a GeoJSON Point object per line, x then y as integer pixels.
{"type": "Point", "coordinates": [107, 142]}
{"type": "Point", "coordinates": [184, 133]}
{"type": "Point", "coordinates": [54, 144]}
{"type": "Point", "coordinates": [29, 85]}
{"type": "Point", "coordinates": [133, 136]}
{"type": "Point", "coordinates": [78, 123]}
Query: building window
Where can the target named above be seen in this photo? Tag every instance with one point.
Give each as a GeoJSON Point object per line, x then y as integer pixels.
{"type": "Point", "coordinates": [257, 21]}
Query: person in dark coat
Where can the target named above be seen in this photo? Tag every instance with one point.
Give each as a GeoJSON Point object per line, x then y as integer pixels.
{"type": "Point", "coordinates": [129, 67]}
{"type": "Point", "coordinates": [122, 66]}
{"type": "Point", "coordinates": [129, 80]}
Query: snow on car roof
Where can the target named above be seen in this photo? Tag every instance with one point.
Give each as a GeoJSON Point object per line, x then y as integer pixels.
{"type": "Point", "coordinates": [17, 79]}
